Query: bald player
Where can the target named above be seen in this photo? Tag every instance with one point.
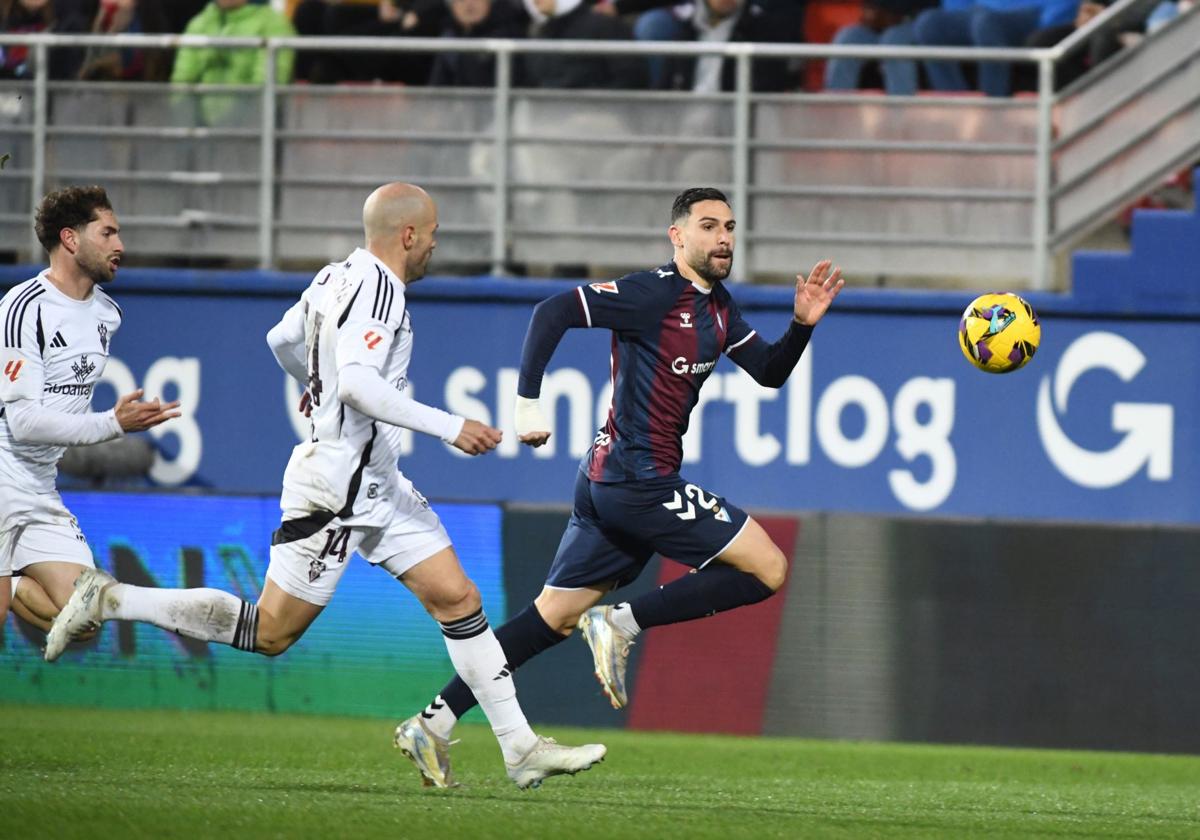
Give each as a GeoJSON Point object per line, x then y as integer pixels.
{"type": "Point", "coordinates": [349, 340]}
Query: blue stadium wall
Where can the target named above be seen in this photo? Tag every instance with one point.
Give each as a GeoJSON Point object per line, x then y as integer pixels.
{"type": "Point", "coordinates": [975, 558]}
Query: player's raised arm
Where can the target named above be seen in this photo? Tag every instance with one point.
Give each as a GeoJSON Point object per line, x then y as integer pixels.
{"type": "Point", "coordinates": [771, 364]}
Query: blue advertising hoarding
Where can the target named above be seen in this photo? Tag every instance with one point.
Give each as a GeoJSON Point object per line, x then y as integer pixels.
{"type": "Point", "coordinates": [373, 650]}
{"type": "Point", "coordinates": [883, 415]}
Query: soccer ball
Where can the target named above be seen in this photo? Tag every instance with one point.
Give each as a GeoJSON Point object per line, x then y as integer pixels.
{"type": "Point", "coordinates": [999, 332]}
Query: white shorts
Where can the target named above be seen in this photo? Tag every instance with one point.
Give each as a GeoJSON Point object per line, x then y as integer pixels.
{"type": "Point", "coordinates": [309, 554]}
{"type": "Point", "coordinates": [38, 528]}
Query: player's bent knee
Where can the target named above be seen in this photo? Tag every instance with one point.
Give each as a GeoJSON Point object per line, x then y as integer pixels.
{"type": "Point", "coordinates": [273, 645]}
{"type": "Point", "coordinates": [773, 569]}
{"type": "Point", "coordinates": [454, 600]}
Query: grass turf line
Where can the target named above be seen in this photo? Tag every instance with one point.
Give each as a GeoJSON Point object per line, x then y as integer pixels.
{"type": "Point", "coordinates": [84, 773]}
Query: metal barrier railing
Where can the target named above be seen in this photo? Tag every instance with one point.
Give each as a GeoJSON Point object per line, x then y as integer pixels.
{"type": "Point", "coordinates": [746, 150]}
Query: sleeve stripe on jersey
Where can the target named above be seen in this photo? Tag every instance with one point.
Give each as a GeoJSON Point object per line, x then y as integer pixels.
{"type": "Point", "coordinates": [16, 315]}
{"type": "Point", "coordinates": [587, 313]}
{"type": "Point", "coordinates": [385, 293]}
{"type": "Point", "coordinates": [378, 290]}
{"type": "Point", "coordinates": [733, 347]}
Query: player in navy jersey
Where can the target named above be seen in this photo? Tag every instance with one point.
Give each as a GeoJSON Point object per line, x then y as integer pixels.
{"type": "Point", "coordinates": [669, 326]}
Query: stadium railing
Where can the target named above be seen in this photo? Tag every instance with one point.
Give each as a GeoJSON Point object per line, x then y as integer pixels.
{"type": "Point", "coordinates": [927, 186]}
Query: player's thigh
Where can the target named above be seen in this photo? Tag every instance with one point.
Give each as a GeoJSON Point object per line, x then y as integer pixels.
{"type": "Point", "coordinates": [678, 519]}
{"type": "Point", "coordinates": [309, 557]}
{"type": "Point", "coordinates": [754, 552]}
{"type": "Point", "coordinates": [282, 619]}
{"type": "Point", "coordinates": [415, 549]}
{"type": "Point", "coordinates": [32, 603]}
{"type": "Point", "coordinates": [52, 554]}
{"type": "Point", "coordinates": [595, 552]}
{"type": "Point", "coordinates": [441, 585]}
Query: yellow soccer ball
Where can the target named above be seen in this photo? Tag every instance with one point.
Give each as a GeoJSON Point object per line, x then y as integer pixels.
{"type": "Point", "coordinates": [999, 332]}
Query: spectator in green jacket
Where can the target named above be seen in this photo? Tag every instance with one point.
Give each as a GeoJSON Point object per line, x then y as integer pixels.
{"type": "Point", "coordinates": [220, 65]}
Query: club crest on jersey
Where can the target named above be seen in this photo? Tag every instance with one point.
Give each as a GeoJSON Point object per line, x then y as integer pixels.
{"type": "Point", "coordinates": [609, 286]}
{"type": "Point", "coordinates": [372, 338]}
{"type": "Point", "coordinates": [685, 320]}
{"type": "Point", "coordinates": [12, 369]}
{"type": "Point", "coordinates": [315, 568]}
{"type": "Point", "coordinates": [102, 329]}
{"type": "Point", "coordinates": [83, 368]}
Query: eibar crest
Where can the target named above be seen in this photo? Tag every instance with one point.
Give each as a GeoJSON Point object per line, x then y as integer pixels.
{"type": "Point", "coordinates": [83, 369]}
{"type": "Point", "coordinates": [102, 329]}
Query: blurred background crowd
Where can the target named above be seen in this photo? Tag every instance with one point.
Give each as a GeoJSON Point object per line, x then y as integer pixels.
{"type": "Point", "coordinates": [964, 23]}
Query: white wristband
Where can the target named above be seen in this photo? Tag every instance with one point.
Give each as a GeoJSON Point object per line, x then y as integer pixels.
{"type": "Point", "coordinates": [528, 417]}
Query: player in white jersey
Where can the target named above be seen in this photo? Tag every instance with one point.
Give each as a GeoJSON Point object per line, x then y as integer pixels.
{"type": "Point", "coordinates": [58, 327]}
{"type": "Point", "coordinates": [349, 340]}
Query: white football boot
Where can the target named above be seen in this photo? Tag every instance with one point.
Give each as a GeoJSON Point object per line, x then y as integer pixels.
{"type": "Point", "coordinates": [610, 652]}
{"type": "Point", "coordinates": [82, 611]}
{"type": "Point", "coordinates": [430, 753]}
{"type": "Point", "coordinates": [549, 758]}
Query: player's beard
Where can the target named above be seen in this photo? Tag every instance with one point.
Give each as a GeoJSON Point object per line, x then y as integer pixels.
{"type": "Point", "coordinates": [94, 264]}
{"type": "Point", "coordinates": [710, 270]}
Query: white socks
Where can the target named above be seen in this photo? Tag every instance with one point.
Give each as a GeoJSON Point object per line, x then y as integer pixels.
{"type": "Point", "coordinates": [206, 614]}
{"type": "Point", "coordinates": [438, 717]}
{"type": "Point", "coordinates": [622, 618]}
{"type": "Point", "coordinates": [479, 660]}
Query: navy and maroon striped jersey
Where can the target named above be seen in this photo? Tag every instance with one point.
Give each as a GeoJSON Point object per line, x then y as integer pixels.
{"type": "Point", "coordinates": [667, 335]}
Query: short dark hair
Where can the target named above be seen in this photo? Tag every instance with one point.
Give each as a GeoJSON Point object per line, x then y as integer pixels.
{"type": "Point", "coordinates": [682, 208]}
{"type": "Point", "coordinates": [70, 207]}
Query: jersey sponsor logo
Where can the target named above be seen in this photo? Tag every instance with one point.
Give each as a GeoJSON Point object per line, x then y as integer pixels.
{"type": "Point", "coordinates": [13, 369]}
{"type": "Point", "coordinates": [102, 330]}
{"type": "Point", "coordinates": [685, 320]}
{"type": "Point", "coordinates": [372, 338]}
{"type": "Point", "coordinates": [662, 272]}
{"type": "Point", "coordinates": [68, 388]}
{"type": "Point", "coordinates": [609, 286]}
{"type": "Point", "coordinates": [83, 368]}
{"type": "Point", "coordinates": [681, 366]}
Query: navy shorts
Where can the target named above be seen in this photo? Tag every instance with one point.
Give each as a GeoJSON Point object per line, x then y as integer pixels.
{"type": "Point", "coordinates": [616, 528]}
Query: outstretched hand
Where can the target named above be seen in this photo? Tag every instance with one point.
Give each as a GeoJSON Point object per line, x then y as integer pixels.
{"type": "Point", "coordinates": [815, 293]}
{"type": "Point", "coordinates": [477, 438]}
{"type": "Point", "coordinates": [136, 416]}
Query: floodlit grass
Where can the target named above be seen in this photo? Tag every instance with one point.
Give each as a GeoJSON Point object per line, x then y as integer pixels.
{"type": "Point", "coordinates": [67, 773]}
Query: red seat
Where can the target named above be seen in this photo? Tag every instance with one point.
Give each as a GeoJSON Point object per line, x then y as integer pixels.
{"type": "Point", "coordinates": [822, 20]}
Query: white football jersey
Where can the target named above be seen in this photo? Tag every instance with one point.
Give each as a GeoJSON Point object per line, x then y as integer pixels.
{"type": "Point", "coordinates": [54, 350]}
{"type": "Point", "coordinates": [354, 313]}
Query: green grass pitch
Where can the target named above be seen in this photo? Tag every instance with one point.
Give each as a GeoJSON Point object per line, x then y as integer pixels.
{"type": "Point", "coordinates": [74, 773]}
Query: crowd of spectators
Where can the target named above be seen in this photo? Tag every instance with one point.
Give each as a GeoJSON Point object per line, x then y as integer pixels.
{"type": "Point", "coordinates": [966, 23]}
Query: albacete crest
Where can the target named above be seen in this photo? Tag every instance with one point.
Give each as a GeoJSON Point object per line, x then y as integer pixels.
{"type": "Point", "coordinates": [103, 330]}
{"type": "Point", "coordinates": [83, 369]}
